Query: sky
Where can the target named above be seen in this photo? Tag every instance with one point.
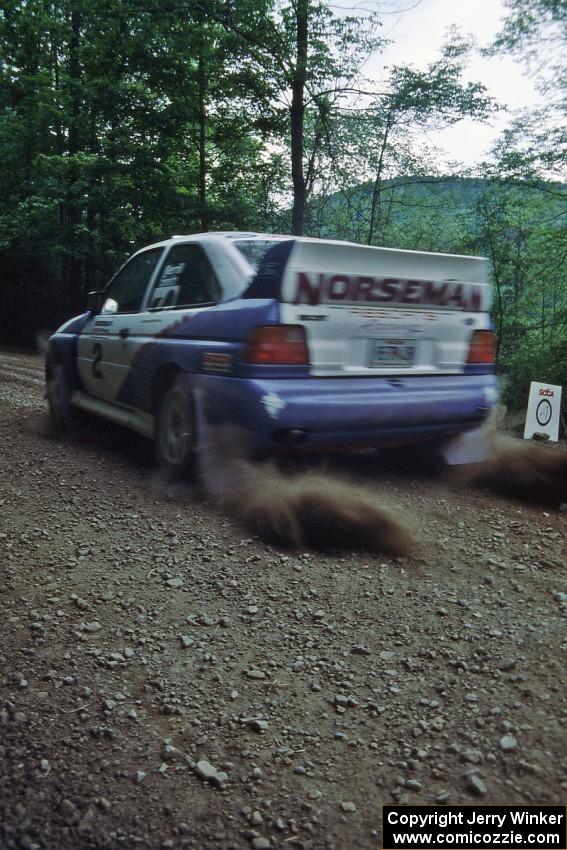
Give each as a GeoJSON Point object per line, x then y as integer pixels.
{"type": "Point", "coordinates": [418, 34]}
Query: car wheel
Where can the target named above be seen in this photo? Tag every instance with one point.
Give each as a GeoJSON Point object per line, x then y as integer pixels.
{"type": "Point", "coordinates": [58, 394]}
{"type": "Point", "coordinates": [175, 433]}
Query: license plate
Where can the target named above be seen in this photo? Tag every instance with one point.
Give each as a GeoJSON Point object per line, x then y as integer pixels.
{"type": "Point", "coordinates": [391, 352]}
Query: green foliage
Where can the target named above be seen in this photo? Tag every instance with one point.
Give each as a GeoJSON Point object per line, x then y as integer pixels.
{"type": "Point", "coordinates": [385, 139]}
{"type": "Point", "coordinates": [525, 220]}
{"type": "Point", "coordinates": [517, 224]}
{"type": "Point", "coordinates": [536, 32]}
{"type": "Point", "coordinates": [122, 123]}
{"type": "Point", "coordinates": [519, 227]}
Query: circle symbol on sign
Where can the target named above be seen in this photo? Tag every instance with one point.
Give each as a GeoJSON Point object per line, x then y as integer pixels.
{"type": "Point", "coordinates": [543, 412]}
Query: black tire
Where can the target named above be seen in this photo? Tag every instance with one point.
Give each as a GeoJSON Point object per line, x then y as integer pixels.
{"type": "Point", "coordinates": [175, 433]}
{"type": "Point", "coordinates": [58, 394]}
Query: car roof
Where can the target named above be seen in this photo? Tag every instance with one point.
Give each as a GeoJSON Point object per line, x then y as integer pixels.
{"type": "Point", "coordinates": [231, 235]}
{"type": "Point", "coordinates": [234, 235]}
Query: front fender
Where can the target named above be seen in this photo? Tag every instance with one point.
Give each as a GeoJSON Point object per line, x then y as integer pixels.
{"type": "Point", "coordinates": [62, 348]}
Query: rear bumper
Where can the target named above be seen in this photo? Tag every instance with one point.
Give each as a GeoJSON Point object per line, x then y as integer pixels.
{"type": "Point", "coordinates": [338, 412]}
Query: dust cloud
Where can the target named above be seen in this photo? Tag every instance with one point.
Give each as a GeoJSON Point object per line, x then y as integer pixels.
{"type": "Point", "coordinates": [522, 470]}
{"type": "Point", "coordinates": [311, 509]}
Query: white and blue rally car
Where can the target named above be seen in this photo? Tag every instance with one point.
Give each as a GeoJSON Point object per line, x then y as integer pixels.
{"type": "Point", "coordinates": [302, 343]}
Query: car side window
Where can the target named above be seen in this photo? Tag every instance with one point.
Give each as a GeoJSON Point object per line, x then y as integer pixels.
{"type": "Point", "coordinates": [126, 292]}
{"type": "Point", "coordinates": [187, 280]}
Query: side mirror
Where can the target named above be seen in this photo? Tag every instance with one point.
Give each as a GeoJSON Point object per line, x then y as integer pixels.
{"type": "Point", "coordinates": [94, 302]}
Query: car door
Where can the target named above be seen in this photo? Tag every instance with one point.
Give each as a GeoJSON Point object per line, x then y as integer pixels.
{"type": "Point", "coordinates": [107, 344]}
{"type": "Point", "coordinates": [184, 285]}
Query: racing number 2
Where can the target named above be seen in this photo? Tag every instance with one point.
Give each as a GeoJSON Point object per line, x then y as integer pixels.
{"type": "Point", "coordinates": [97, 351]}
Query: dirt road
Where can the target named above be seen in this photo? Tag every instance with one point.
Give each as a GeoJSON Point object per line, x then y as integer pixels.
{"type": "Point", "coordinates": [169, 681]}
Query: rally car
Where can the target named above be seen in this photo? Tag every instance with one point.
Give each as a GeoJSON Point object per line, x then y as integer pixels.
{"type": "Point", "coordinates": [301, 343]}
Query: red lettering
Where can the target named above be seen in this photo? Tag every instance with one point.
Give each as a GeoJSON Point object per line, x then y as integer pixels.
{"type": "Point", "coordinates": [434, 293]}
{"type": "Point", "coordinates": [308, 291]}
{"type": "Point", "coordinates": [389, 289]}
{"type": "Point", "coordinates": [475, 299]}
{"type": "Point", "coordinates": [411, 292]}
{"type": "Point", "coordinates": [338, 287]}
{"type": "Point", "coordinates": [313, 288]}
{"type": "Point", "coordinates": [455, 298]}
{"type": "Point", "coordinates": [547, 393]}
{"type": "Point", "coordinates": [365, 289]}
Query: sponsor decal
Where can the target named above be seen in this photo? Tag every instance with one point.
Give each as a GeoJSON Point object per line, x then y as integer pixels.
{"type": "Point", "coordinates": [392, 314]}
{"type": "Point", "coordinates": [273, 404]}
{"type": "Point", "coordinates": [374, 326]}
{"type": "Point", "coordinates": [215, 361]}
{"type": "Point", "coordinates": [316, 288]}
{"type": "Point", "coordinates": [547, 392]}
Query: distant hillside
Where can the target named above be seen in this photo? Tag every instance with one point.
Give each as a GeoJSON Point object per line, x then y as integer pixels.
{"type": "Point", "coordinates": [425, 213]}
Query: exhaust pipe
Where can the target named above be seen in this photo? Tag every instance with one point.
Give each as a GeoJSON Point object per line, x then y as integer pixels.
{"type": "Point", "coordinates": [291, 437]}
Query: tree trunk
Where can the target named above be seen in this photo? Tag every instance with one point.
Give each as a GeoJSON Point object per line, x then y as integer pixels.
{"type": "Point", "coordinates": [377, 187]}
{"type": "Point", "coordinates": [72, 269]}
{"type": "Point", "coordinates": [90, 275]}
{"type": "Point", "coordinates": [297, 118]}
{"type": "Point", "coordinates": [202, 84]}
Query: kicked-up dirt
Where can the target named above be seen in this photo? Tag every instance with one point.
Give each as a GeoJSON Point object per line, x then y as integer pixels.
{"type": "Point", "coordinates": [168, 679]}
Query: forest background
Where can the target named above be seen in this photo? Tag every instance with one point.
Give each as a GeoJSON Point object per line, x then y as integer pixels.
{"type": "Point", "coordinates": [125, 121]}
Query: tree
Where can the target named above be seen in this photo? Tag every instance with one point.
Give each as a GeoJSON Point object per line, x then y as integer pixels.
{"type": "Point", "coordinates": [383, 142]}
{"type": "Point", "coordinates": [536, 31]}
{"type": "Point", "coordinates": [120, 123]}
{"type": "Point", "coordinates": [310, 59]}
{"type": "Point", "coordinates": [530, 161]}
{"type": "Point", "coordinates": [515, 225]}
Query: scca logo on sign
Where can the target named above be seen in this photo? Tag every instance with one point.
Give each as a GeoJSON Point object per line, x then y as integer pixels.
{"type": "Point", "coordinates": [547, 393]}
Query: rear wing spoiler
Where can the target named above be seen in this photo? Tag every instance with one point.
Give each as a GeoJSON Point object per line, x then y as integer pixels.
{"type": "Point", "coordinates": [312, 272]}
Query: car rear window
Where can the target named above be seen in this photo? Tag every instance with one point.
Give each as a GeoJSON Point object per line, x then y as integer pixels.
{"type": "Point", "coordinates": [254, 249]}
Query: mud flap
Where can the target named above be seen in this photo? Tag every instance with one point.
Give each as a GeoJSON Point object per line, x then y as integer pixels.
{"type": "Point", "coordinates": [471, 447]}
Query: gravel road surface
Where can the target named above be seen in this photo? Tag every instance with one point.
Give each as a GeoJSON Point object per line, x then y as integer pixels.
{"type": "Point", "coordinates": [168, 680]}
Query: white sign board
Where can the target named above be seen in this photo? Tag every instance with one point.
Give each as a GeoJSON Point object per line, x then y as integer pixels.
{"type": "Point", "coordinates": [544, 410]}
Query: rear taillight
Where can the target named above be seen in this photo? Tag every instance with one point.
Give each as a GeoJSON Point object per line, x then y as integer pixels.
{"type": "Point", "coordinates": [481, 348]}
{"type": "Point", "coordinates": [277, 345]}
